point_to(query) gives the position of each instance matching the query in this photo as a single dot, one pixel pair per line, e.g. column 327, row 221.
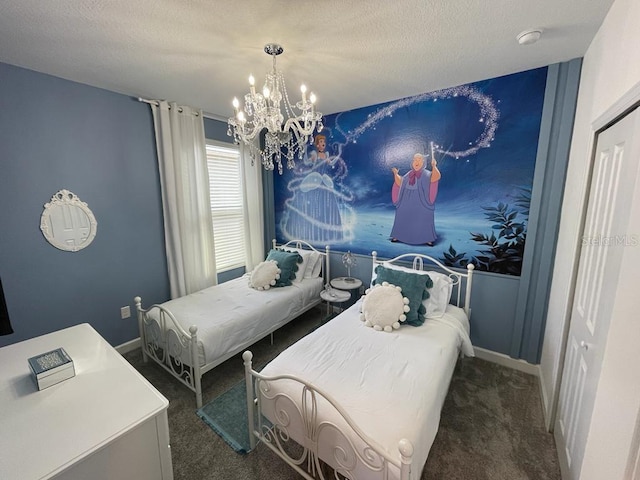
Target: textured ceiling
column 350, row 53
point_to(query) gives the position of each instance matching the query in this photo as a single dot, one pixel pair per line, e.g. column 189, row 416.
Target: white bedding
column 392, row 385
column 231, row 314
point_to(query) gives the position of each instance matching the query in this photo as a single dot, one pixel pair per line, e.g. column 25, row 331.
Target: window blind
column 227, row 212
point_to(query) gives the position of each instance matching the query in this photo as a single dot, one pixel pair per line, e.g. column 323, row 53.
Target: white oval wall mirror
column 67, row 223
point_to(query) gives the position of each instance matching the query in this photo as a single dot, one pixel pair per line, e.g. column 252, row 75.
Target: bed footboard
column 312, row 433
column 165, row 342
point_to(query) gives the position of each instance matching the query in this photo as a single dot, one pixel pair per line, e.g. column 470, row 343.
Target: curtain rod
column 157, row 104
column 212, row 116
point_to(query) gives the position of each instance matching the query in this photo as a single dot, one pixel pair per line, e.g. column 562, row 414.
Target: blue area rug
column 227, row 416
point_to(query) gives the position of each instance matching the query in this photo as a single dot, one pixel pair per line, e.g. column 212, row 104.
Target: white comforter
column 392, row 385
column 231, row 315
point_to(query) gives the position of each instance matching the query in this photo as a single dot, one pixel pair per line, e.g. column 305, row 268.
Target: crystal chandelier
column 287, row 131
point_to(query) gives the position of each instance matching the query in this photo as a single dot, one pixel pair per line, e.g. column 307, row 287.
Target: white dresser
column 106, row 423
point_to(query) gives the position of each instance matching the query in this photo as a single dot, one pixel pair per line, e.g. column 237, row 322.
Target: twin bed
column 362, row 402
column 190, row 335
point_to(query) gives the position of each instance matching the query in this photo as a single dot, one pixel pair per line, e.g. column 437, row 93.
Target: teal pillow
column 288, row 265
column 414, row 287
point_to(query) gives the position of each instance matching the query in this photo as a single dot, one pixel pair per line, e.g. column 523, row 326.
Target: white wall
column 611, row 68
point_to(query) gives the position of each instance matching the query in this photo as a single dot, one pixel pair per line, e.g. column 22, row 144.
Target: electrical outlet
column 125, row 312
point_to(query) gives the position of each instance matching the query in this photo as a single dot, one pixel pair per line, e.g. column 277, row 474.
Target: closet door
column 604, row 238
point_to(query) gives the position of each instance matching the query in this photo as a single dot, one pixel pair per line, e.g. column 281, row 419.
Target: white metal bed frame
column 168, row 344
column 344, row 458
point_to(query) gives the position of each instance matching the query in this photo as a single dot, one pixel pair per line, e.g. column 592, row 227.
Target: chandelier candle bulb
column 303, row 89
column 252, row 85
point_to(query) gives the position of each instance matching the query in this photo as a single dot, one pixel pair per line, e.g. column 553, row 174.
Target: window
column 225, row 189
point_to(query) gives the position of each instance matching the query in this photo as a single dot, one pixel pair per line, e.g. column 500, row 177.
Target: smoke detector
column 529, row 36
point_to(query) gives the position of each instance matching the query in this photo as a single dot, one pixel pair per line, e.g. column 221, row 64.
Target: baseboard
column 128, row 346
column 506, row 361
column 546, row 405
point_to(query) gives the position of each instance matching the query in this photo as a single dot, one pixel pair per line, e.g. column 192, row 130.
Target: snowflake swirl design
column 489, row 116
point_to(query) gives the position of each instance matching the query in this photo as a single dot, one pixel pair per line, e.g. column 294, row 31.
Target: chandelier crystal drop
column 288, row 127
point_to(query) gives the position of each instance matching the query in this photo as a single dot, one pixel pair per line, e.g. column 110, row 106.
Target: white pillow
column 315, row 273
column 264, row 276
column 383, row 307
column 439, row 294
column 313, row 265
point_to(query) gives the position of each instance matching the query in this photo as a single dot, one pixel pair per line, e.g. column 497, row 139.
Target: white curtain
column 188, row 229
column 253, row 210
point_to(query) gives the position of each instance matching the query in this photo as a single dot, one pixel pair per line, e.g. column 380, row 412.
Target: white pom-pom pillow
column 265, row 275
column 384, row 308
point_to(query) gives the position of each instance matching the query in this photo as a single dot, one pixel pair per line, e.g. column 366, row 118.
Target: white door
column 603, row 240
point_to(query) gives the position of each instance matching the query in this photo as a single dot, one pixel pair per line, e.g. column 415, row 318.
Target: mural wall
column 447, row 173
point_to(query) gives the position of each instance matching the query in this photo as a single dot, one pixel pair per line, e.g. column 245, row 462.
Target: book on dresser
column 51, row 367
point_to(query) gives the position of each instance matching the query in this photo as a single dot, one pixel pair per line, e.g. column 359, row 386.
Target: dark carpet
column 491, row 428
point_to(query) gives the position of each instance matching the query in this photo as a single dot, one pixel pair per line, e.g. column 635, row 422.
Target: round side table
column 346, row 283
column 333, row 295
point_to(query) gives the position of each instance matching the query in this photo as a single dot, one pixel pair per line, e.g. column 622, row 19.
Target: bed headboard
column 324, row 271
column 461, row 295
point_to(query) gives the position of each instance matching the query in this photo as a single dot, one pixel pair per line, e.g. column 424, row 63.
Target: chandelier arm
column 246, row 132
column 295, row 125
column 254, row 133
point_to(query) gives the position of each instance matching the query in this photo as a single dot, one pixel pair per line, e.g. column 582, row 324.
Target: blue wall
column 58, row 134
column 492, row 322
column 100, row 145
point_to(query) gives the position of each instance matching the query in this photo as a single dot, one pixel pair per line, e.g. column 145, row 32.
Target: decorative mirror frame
column 66, row 199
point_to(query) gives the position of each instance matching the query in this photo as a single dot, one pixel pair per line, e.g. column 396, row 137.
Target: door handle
column 585, row 345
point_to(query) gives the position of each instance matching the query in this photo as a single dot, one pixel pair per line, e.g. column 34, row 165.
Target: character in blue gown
column 313, row 213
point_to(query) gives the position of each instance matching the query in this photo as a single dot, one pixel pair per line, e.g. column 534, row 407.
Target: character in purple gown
column 414, row 196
